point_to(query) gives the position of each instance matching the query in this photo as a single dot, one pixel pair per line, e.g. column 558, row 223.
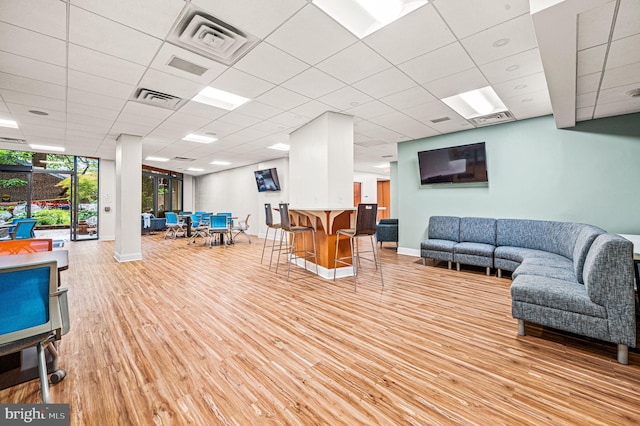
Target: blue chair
column 228, row 215
column 198, row 229
column 219, row 226
column 33, row 312
column 24, row 229
column 174, row 226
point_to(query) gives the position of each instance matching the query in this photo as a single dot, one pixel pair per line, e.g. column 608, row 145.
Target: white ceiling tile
column 385, row 83
column 594, row 25
column 103, row 65
column 33, row 101
column 370, row 110
column 202, row 110
column 621, row 76
column 624, row 51
column 445, row 61
column 241, row 83
column 485, row 46
column 257, row 17
column 529, row 105
column 18, row 110
column 311, row 36
column 258, row 110
column 168, row 52
column 143, row 111
column 30, row 68
column 32, row 44
column 134, row 129
column 464, row 81
column 520, row 86
column 588, row 83
column 101, row 34
column 586, row 100
column 354, row 63
column 405, row 125
column 413, row 96
column 414, row 34
column 102, row 86
column 513, row 67
column 436, row 110
column 91, row 112
column 282, row 98
column 94, row 99
column 270, row 63
column 34, row 87
column 312, row 109
column 235, row 117
column 170, row 84
column 617, row 108
column 375, row 131
column 583, row 114
column 45, row 131
column 618, row 94
column 154, row 17
column 313, row 83
column 591, row 60
column 345, row 98
column 470, row 17
column 627, row 19
column 44, row 16
column 290, row 119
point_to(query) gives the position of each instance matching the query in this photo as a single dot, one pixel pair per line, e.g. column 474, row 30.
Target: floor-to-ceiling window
column 161, row 191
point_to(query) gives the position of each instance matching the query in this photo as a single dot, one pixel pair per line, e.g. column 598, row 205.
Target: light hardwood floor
column 192, row 335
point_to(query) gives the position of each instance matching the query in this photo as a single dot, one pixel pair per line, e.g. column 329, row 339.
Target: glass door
column 84, row 199
column 15, row 192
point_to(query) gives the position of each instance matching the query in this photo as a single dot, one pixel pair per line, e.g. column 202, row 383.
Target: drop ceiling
column 84, row 62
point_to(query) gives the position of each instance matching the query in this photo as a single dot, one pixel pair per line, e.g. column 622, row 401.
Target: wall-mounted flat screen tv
column 456, row 164
column 267, row 180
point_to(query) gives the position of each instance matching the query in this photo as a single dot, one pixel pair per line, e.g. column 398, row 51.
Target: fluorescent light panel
column 47, row 148
column 220, row 99
column 156, row 159
column 363, row 17
column 220, row 163
column 200, row 139
column 382, row 166
column 280, row 147
column 8, row 123
column 476, row 103
column 194, row 169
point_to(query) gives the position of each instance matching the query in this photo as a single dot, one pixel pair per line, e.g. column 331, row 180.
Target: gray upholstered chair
column 387, row 231
column 444, row 234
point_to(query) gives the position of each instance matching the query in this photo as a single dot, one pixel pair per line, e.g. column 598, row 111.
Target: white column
column 128, row 244
column 321, row 163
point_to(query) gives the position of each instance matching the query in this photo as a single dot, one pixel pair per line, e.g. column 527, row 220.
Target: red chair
column 31, row 245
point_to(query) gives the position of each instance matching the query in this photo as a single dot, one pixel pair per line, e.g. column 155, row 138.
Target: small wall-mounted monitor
column 267, row 180
column 456, row 164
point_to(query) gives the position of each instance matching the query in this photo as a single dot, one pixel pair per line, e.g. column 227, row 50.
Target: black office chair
column 365, row 227
column 291, row 249
column 268, row 214
column 33, row 312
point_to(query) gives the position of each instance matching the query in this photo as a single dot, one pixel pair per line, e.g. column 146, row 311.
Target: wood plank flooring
column 198, row 336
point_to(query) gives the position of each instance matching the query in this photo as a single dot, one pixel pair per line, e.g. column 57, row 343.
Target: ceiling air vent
column 487, row 120
column 187, row 66
column 440, row 120
column 185, row 159
column 159, row 99
column 13, row 140
column 208, row 36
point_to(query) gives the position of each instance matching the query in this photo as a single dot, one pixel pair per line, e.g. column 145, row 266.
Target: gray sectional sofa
column 569, row 276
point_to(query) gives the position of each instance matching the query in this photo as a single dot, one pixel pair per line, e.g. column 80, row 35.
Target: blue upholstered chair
column 387, row 231
column 33, row 312
column 24, row 229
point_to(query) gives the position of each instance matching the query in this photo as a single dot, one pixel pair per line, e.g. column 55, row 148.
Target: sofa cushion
column 555, row 294
column 609, row 255
column 560, row 273
column 585, row 238
column 519, row 254
column 478, row 230
column 555, row 262
column 438, row 245
column 444, row 228
column 476, row 249
column 549, row 236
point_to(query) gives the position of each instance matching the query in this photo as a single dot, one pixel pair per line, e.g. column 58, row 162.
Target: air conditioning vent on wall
column 159, row 99
column 13, row 140
column 208, row 36
column 487, row 120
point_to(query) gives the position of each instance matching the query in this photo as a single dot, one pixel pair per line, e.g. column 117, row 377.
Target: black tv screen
column 267, row 180
column 456, row 164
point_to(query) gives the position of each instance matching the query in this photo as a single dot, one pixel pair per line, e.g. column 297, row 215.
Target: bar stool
column 291, row 249
column 268, row 215
column 365, row 227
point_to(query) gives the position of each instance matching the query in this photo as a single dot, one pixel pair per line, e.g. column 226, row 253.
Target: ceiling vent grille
column 184, row 159
column 487, row 120
column 440, row 120
column 159, row 99
column 208, row 36
column 187, row 66
column 13, row 140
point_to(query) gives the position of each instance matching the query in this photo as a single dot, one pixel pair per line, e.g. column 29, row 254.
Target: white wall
column 235, row 191
column 107, row 191
column 188, row 193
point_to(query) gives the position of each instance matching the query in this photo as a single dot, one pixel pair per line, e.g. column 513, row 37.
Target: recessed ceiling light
column 200, row 139
column 476, row 103
column 195, row 169
column 220, row 99
column 280, row 147
column 8, row 123
column 210, row 133
column 47, row 148
column 220, row 163
column 501, row 42
column 634, row 93
column 382, row 166
column 512, row 67
column 36, row 112
column 363, row 17
column 156, row 159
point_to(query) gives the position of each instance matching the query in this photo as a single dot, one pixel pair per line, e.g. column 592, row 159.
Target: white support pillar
column 128, row 244
column 321, row 163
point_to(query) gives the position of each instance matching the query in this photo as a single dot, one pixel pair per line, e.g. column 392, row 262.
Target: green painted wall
column 589, row 174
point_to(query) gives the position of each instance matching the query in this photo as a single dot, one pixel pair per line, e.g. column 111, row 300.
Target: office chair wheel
column 57, row 376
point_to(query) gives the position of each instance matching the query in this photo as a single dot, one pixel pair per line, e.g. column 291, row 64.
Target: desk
column 22, row 366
